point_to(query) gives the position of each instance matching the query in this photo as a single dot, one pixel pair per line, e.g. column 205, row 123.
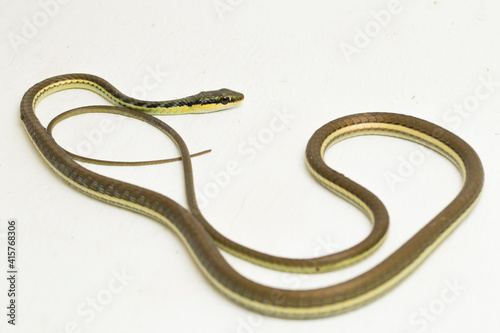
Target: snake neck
column 203, row 102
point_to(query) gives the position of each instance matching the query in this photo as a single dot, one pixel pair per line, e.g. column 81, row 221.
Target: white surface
column 286, row 56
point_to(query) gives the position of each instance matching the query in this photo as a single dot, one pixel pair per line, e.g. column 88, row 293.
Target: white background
column 311, row 60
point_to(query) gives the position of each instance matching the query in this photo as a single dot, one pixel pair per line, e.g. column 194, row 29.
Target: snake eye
column 224, row 100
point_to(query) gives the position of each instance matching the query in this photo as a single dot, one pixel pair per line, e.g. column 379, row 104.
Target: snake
column 205, row 243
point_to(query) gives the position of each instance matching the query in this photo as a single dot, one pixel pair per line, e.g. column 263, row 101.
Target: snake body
column 203, row 241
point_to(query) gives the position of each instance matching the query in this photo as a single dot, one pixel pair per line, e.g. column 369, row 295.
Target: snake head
column 216, row 100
